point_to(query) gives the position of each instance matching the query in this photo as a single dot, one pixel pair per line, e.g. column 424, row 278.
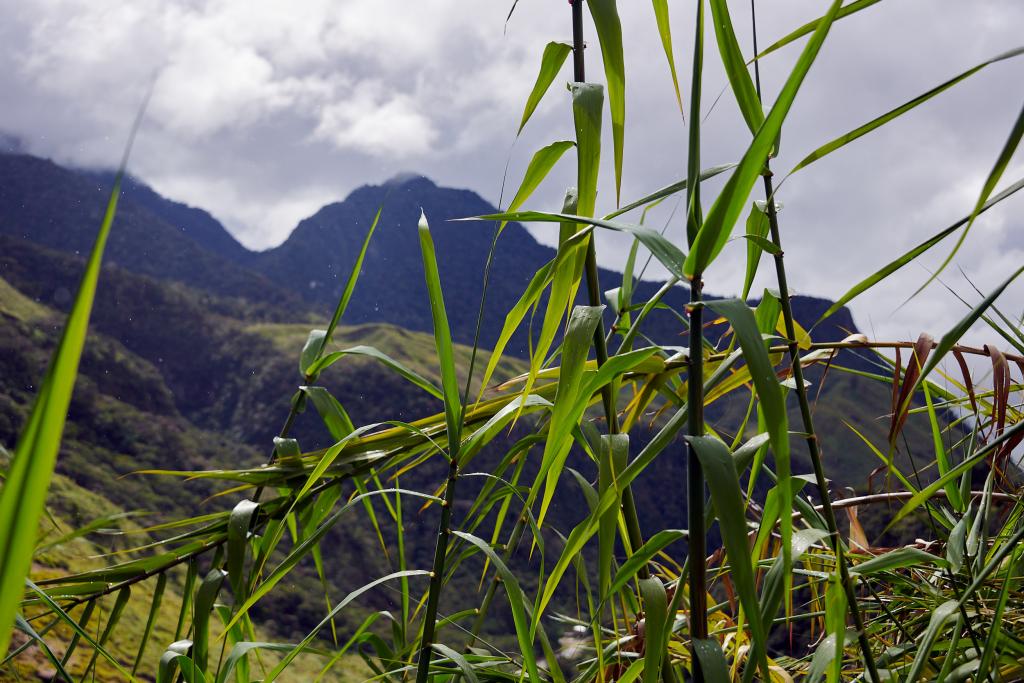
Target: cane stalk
column 811, row 439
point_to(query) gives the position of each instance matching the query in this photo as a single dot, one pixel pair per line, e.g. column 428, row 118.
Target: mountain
column 191, row 359
column 59, row 208
column 196, row 224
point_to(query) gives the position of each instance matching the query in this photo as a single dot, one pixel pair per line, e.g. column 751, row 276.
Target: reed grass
column 631, row 606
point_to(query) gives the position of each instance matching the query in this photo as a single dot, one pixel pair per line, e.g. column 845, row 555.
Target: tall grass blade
column 120, row 602
column 154, row 612
column 1005, row 155
column 24, row 492
column 940, row 616
column 550, row 64
column 736, row 67
column 722, row 216
column 892, row 114
column 613, row 452
column 655, row 626
column 517, row 601
column 665, row 31
column 713, row 666
column 890, row 268
column 720, row 473
column 453, row 411
column 812, row 26
column 587, row 102
column 609, row 33
column 205, row 598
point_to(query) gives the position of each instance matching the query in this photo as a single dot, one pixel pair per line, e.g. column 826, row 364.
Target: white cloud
column 265, row 110
column 369, row 119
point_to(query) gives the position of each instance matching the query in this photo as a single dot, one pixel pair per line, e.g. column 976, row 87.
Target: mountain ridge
column 313, row 263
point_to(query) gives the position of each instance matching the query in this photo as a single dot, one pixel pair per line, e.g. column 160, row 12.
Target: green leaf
column 712, row 660
column 334, row 416
column 641, row 556
column 757, row 230
column 670, row 190
column 186, row 599
column 565, row 284
column 305, row 547
column 287, row 448
column 311, row 351
column 720, row 472
column 724, row 212
column 587, row 99
column 238, row 546
column 459, row 660
column 812, row 26
column 957, row 543
column 773, row 589
column 26, row 628
column 1009, row 149
column 387, row 360
column 517, row 601
column 880, row 121
column 205, row 598
column 566, row 412
column 154, row 610
column 736, row 67
column 550, row 64
column 941, row 456
column 169, row 660
column 613, row 453
column 694, row 208
column 442, row 338
column 665, row 31
column 872, row 280
column 661, row 248
column 540, row 165
column 938, row 620
column 609, row 33
column 23, row 496
column 895, row 559
column 772, row 401
column 655, row 626
column 318, row 340
column 824, row 656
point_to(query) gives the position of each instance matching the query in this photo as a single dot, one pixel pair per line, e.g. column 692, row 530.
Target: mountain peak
column 11, row 144
column 405, row 178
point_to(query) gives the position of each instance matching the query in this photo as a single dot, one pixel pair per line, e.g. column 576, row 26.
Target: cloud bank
column 263, row 111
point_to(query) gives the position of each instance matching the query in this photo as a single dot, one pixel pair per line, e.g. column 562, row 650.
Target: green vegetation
column 435, row 511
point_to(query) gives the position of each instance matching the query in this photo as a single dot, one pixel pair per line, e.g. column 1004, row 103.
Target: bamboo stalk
column 632, row 520
column 813, row 447
column 696, row 489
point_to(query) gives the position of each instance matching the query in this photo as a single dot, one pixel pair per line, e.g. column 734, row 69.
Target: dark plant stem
column 437, row 573
column 695, row 499
column 813, row 447
column 629, row 513
column 695, row 475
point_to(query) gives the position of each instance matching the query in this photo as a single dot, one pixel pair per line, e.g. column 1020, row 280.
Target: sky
column 264, row 111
